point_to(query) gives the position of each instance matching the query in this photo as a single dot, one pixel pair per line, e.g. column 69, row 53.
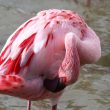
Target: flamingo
column 44, row 55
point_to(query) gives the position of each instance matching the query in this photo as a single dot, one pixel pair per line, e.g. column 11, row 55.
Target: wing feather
column 10, row 56
column 8, row 82
column 22, row 45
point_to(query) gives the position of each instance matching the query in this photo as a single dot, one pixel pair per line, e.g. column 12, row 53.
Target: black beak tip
column 54, row 85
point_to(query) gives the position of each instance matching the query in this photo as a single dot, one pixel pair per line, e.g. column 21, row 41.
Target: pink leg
column 29, row 105
column 54, row 107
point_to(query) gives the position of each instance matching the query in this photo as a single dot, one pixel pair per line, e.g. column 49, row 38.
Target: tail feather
column 8, row 82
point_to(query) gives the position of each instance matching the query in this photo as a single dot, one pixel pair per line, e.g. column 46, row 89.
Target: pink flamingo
column 44, row 55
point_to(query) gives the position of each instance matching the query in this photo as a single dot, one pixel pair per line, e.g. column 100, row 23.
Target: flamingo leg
column 29, row 105
column 54, row 107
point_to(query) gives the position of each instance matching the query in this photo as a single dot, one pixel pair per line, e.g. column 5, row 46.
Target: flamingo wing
column 18, row 52
column 21, row 47
column 11, row 56
column 9, row 82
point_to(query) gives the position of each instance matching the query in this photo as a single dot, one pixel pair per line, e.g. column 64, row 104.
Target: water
column 92, row 90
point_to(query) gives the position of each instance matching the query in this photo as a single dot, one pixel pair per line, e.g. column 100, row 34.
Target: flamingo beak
column 54, row 85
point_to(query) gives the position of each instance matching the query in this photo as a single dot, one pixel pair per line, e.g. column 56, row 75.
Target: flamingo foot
column 29, row 105
column 54, row 107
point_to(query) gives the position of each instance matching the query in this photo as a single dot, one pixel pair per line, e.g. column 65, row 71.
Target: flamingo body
column 38, row 48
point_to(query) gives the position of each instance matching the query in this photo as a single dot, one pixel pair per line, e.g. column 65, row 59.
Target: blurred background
column 92, row 90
